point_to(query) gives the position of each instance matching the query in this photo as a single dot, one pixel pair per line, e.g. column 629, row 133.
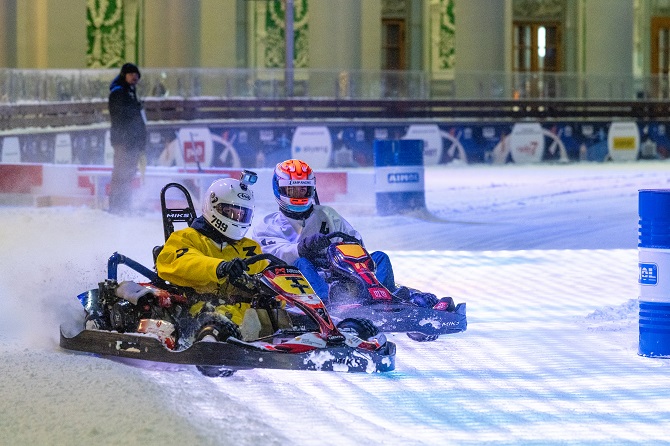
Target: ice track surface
column 544, row 256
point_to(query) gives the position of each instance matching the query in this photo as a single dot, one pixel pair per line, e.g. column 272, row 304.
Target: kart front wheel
column 421, row 337
column 219, row 332
column 363, row 328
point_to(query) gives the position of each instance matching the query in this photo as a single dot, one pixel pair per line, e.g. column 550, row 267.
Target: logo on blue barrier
column 409, row 177
column 648, row 274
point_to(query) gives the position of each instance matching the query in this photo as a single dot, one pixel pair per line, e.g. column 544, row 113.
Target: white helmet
column 229, row 207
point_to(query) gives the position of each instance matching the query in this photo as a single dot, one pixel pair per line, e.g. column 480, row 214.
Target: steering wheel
column 344, row 236
column 274, row 260
column 251, row 283
column 322, row 261
column 248, row 282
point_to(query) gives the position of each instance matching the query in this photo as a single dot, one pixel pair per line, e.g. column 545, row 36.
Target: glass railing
column 17, row 86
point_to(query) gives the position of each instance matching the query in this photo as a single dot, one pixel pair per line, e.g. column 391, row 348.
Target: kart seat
column 157, row 250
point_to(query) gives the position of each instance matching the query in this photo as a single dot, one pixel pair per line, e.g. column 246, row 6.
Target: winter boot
column 401, row 293
column 416, row 297
column 421, row 299
column 445, row 304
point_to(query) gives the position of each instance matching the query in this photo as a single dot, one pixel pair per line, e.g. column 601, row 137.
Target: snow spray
column 654, row 274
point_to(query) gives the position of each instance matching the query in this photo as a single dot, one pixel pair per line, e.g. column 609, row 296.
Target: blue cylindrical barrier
column 654, row 274
column 399, row 176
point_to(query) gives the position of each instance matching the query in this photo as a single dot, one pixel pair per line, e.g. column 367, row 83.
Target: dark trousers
column 125, row 168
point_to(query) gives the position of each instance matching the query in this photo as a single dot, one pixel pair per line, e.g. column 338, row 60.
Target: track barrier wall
column 88, row 185
column 342, row 144
column 58, row 162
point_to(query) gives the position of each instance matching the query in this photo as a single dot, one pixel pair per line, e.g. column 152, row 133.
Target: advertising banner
column 526, row 142
column 11, row 150
column 63, row 149
column 350, row 144
column 432, row 141
column 313, row 145
column 623, row 141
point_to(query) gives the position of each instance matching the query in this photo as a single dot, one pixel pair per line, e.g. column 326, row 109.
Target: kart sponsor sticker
column 379, row 293
column 648, row 274
column 403, row 177
column 293, row 284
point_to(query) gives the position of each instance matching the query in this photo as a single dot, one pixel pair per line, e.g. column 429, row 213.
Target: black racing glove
column 233, row 269
column 311, row 246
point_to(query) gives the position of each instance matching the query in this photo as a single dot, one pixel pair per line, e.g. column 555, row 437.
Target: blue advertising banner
column 350, row 144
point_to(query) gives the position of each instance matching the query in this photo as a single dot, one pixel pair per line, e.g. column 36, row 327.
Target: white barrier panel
column 312, row 144
column 526, row 142
column 11, row 150
column 57, row 184
column 623, row 141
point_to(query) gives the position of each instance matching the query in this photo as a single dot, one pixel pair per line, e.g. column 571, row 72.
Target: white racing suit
column 279, row 235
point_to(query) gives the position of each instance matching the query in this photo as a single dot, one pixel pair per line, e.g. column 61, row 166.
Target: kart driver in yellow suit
column 208, row 255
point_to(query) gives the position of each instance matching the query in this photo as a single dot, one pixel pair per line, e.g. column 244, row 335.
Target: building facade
column 545, row 46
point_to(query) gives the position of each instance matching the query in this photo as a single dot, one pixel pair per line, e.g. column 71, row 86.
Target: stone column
column 608, row 46
column 608, row 41
column 8, row 34
column 171, row 33
column 480, row 36
column 335, row 34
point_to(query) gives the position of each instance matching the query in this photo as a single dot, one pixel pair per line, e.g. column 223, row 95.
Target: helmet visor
column 297, row 191
column 235, row 212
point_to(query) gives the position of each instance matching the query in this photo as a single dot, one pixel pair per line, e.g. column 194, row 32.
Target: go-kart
column 286, row 327
column 355, row 292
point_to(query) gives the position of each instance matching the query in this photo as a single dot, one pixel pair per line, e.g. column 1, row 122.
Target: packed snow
column 545, row 257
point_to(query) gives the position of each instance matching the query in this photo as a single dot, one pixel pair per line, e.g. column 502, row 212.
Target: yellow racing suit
column 190, row 257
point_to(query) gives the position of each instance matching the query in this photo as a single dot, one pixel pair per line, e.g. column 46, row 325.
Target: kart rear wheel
column 363, row 328
column 219, row 332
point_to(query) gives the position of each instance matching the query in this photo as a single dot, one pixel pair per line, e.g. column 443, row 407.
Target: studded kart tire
column 219, row 332
column 420, row 337
column 212, row 371
column 363, row 328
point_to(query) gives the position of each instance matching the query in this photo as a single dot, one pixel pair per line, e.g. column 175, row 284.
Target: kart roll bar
column 187, row 214
column 170, row 216
column 119, row 259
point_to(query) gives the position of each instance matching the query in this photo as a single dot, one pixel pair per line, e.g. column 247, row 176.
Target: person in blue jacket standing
column 128, row 136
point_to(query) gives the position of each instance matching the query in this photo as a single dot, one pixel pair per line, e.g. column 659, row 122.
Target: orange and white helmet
column 229, row 208
column 294, row 185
